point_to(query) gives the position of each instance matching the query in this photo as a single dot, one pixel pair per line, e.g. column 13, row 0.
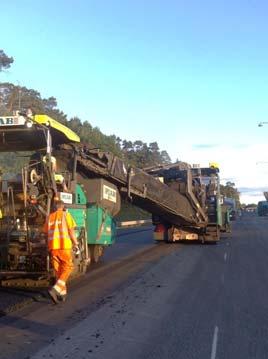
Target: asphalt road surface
column 128, row 241
column 161, row 301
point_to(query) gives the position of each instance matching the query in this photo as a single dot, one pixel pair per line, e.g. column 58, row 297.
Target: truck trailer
column 202, row 187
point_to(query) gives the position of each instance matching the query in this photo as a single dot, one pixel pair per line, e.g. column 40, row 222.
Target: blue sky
column 191, row 75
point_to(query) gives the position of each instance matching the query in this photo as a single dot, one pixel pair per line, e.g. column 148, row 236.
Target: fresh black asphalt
column 192, row 302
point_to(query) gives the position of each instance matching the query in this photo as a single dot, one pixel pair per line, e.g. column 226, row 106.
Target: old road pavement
column 167, row 301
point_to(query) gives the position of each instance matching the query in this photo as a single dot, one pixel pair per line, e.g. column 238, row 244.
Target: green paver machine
column 27, row 196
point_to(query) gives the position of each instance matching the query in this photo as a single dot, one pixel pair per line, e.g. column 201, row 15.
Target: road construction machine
column 201, row 186
column 55, row 165
column 27, row 198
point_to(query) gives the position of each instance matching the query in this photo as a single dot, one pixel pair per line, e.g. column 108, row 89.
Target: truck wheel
column 212, row 234
column 96, row 251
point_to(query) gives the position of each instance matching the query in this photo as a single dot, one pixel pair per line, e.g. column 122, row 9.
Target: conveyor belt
column 145, row 190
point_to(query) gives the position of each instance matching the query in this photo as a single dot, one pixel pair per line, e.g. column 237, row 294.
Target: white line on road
column 225, row 256
column 222, row 278
column 214, row 343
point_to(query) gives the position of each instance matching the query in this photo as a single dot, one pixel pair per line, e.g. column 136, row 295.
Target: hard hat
column 214, row 165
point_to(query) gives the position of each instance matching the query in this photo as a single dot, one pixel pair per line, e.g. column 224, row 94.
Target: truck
column 91, row 183
column 202, row 187
column 262, row 208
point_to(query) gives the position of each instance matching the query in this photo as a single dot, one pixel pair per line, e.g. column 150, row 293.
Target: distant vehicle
column 250, row 209
column 262, row 208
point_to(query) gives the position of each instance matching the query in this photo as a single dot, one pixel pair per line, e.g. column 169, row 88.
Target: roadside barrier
column 127, row 224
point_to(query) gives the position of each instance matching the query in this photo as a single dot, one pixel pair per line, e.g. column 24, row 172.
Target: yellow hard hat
column 214, row 165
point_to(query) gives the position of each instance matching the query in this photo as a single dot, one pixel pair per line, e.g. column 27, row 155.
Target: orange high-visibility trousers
column 62, row 263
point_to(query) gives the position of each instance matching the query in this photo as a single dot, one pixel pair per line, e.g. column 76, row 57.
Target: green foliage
column 137, row 153
column 5, row 61
column 14, row 98
column 13, row 162
column 141, row 155
column 230, row 191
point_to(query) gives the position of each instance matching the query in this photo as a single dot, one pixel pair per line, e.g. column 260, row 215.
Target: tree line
column 136, row 153
column 230, row 191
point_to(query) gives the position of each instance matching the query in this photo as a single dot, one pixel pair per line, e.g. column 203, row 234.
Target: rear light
column 33, row 199
column 160, row 228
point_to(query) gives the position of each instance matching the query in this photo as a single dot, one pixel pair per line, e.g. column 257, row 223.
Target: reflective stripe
column 53, row 234
column 59, row 290
column 59, row 281
column 58, row 232
column 60, row 287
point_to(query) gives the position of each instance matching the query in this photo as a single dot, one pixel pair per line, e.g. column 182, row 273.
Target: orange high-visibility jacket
column 57, row 228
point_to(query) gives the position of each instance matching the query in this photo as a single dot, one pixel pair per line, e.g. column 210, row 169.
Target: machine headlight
column 29, row 124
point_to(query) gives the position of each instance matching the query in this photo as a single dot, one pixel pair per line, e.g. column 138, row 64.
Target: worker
column 61, row 243
column 59, row 179
column 53, row 161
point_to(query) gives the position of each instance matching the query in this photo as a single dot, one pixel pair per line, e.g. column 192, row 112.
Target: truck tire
column 95, row 251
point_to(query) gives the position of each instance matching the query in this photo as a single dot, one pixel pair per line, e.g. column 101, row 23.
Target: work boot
column 62, row 298
column 53, row 295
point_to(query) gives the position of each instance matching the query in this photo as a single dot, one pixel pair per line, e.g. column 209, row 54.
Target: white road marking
column 222, row 278
column 214, row 343
column 225, row 256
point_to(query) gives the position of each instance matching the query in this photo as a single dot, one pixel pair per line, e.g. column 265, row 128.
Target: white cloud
column 245, row 165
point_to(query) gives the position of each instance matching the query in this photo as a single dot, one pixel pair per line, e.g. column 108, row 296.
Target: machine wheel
column 96, row 251
column 212, row 235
